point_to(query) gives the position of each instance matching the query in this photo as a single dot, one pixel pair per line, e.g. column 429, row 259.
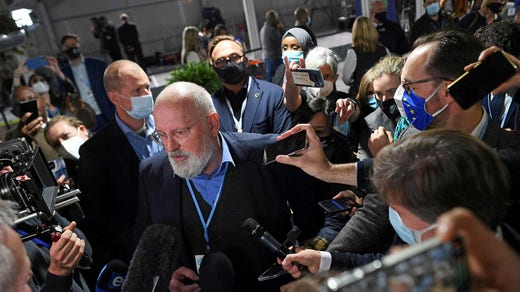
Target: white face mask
column 326, row 90
column 41, row 87
column 70, row 148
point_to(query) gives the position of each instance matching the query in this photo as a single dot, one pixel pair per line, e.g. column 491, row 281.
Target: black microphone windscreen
column 112, row 276
column 155, row 257
column 253, row 228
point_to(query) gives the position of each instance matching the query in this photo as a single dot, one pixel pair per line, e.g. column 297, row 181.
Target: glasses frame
column 180, row 135
column 222, row 61
column 406, row 84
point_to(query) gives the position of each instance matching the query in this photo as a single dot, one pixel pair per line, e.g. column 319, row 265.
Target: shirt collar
column 481, row 126
column 81, row 63
column 149, row 121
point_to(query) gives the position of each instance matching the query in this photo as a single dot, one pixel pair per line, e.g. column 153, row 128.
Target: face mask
column 372, row 101
column 70, row 147
column 398, row 99
column 433, row 9
column 293, row 56
column 41, row 87
column 142, row 106
column 327, row 89
column 495, row 7
column 73, row 53
column 408, row 235
column 381, row 16
column 232, row 73
column 389, row 108
column 325, row 141
column 415, row 108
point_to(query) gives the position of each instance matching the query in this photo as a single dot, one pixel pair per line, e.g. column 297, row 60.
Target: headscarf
column 303, row 37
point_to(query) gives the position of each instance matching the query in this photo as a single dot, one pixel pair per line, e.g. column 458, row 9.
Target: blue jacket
column 265, row 111
column 95, row 70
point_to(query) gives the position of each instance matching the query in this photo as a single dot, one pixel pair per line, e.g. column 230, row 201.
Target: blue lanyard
column 205, row 224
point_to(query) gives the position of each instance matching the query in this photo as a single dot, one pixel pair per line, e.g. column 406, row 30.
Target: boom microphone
column 154, row 260
column 259, row 233
column 112, row 276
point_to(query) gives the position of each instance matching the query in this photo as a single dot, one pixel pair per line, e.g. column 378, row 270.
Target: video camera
column 26, row 178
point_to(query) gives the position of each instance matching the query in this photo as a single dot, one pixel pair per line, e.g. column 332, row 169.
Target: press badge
column 198, row 261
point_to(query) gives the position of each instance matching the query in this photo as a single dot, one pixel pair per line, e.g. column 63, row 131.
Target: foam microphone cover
column 156, row 255
column 112, row 276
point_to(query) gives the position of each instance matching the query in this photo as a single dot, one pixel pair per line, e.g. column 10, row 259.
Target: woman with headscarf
column 296, row 42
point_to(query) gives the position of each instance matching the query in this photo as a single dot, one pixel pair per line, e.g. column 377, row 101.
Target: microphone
column 154, row 259
column 259, row 233
column 112, row 276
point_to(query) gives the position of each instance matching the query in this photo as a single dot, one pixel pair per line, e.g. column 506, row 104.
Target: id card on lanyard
column 238, row 122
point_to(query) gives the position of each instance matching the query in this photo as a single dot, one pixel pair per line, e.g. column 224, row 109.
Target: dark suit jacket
column 95, row 70
column 128, row 35
column 370, row 222
column 512, row 119
column 108, row 180
column 160, row 196
column 265, row 110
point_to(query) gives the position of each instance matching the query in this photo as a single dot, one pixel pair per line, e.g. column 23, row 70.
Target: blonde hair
column 364, row 35
column 364, row 88
column 190, row 42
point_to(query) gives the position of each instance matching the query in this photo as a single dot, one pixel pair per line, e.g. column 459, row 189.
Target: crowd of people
column 417, row 163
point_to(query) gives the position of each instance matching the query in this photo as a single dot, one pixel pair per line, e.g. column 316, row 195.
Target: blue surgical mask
column 415, row 109
column 372, row 101
column 142, row 106
column 408, row 235
column 433, row 9
column 293, row 56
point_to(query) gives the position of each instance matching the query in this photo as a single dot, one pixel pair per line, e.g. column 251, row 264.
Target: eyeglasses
column 221, row 62
column 407, row 84
column 180, row 134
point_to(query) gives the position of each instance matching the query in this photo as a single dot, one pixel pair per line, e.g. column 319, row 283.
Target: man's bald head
column 113, row 77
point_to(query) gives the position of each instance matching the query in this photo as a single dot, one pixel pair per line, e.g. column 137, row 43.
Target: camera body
column 27, row 179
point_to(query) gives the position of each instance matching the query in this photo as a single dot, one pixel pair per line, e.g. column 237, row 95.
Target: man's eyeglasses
column 407, row 84
column 221, row 62
column 180, row 134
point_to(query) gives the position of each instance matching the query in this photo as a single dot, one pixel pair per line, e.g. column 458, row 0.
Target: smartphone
column 340, row 130
column 36, row 62
column 487, row 75
column 288, row 146
column 338, row 205
column 429, row 266
column 308, row 77
column 29, row 106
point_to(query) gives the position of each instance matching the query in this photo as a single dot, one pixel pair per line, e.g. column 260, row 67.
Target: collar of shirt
column 143, row 146
column 82, row 63
column 209, row 185
column 479, row 130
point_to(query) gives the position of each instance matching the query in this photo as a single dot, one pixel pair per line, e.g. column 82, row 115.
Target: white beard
column 194, row 164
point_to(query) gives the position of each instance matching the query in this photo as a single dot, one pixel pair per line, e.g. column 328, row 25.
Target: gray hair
column 320, row 56
column 7, row 212
column 8, row 272
column 188, row 91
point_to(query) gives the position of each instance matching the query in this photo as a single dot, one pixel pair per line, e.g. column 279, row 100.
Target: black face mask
column 389, row 108
column 73, row 53
column 381, row 16
column 232, row 73
column 495, row 7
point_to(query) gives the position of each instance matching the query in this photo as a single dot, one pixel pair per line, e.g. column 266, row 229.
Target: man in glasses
column 244, row 103
column 109, row 162
column 206, row 184
column 436, row 60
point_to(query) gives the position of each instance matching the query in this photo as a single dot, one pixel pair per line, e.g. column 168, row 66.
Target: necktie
column 497, row 107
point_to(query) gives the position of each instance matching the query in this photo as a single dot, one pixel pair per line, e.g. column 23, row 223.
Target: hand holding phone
column 308, row 77
column 338, row 129
column 37, row 62
column 288, row 146
column 487, row 75
column 29, row 106
column 338, row 205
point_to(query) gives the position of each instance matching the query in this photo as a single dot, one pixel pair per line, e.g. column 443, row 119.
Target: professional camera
column 26, row 178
